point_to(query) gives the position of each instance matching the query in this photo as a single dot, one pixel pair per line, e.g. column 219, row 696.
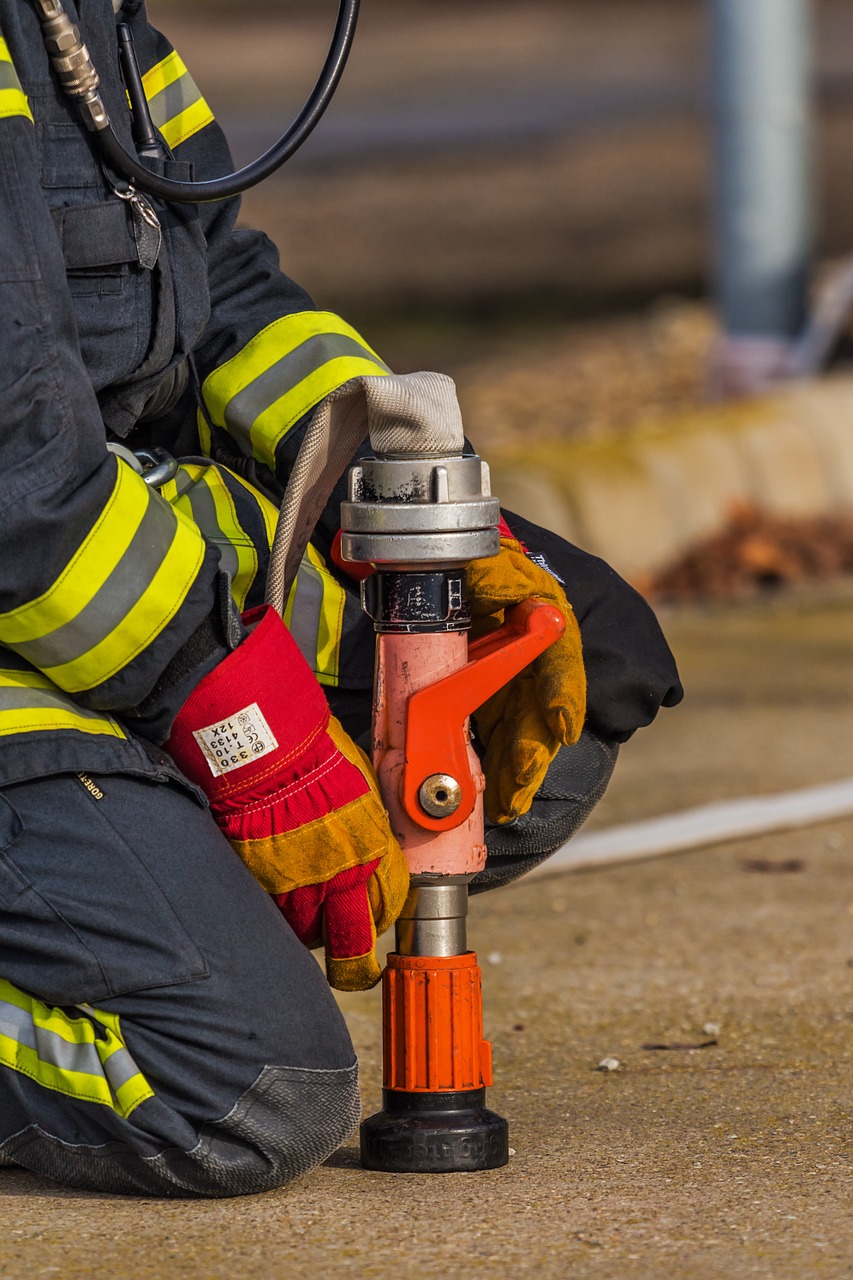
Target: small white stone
column 512, row 1151
column 609, row 1064
column 494, row 957
column 711, row 1029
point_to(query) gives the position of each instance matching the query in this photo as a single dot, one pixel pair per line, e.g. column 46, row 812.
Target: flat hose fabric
column 410, row 413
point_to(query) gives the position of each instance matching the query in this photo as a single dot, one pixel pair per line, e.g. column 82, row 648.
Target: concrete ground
column 726, row 1161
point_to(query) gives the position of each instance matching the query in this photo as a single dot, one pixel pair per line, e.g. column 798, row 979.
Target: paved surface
column 727, row 1161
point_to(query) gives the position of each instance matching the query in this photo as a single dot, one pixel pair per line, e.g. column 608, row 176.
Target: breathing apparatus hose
column 79, row 79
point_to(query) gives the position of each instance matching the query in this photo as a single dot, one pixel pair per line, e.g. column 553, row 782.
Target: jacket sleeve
column 102, row 581
column 268, row 356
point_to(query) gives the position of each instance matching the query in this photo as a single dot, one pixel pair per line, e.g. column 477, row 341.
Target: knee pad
column 288, row 1122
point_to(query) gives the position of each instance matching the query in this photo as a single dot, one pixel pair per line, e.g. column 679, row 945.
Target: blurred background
column 563, row 204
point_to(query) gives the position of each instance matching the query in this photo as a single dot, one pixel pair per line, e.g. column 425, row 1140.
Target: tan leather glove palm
column 524, row 724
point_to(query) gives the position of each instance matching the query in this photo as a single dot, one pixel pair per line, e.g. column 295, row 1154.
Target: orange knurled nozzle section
column 432, row 1024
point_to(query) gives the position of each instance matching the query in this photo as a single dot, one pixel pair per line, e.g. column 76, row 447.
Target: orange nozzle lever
column 436, row 739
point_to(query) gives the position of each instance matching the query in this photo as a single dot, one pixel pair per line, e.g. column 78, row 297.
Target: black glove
column 630, row 669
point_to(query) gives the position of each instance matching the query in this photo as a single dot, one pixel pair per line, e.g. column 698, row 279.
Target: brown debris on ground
column 756, row 552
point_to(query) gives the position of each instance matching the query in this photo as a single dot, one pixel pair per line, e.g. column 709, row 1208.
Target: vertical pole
column 763, row 221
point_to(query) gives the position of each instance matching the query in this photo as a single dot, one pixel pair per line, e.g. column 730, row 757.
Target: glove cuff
column 259, row 709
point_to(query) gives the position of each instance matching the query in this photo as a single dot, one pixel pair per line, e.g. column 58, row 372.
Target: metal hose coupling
column 72, row 63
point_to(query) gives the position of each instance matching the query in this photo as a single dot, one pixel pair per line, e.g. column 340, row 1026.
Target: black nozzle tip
column 434, row 1133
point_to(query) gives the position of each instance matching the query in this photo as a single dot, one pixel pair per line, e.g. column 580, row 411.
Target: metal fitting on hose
column 419, row 513
column 72, row 62
column 433, row 921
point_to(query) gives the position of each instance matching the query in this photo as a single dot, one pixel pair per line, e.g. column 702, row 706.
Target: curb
column 641, row 499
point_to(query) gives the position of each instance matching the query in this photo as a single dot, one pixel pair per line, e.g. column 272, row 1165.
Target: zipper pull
column 146, row 225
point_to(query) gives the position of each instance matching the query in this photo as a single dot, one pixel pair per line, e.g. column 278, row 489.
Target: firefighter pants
column 161, row 1029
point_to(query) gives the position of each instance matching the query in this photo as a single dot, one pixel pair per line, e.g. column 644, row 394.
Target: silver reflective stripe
column 8, row 76
column 304, row 621
column 23, row 697
column 204, row 515
column 17, row 1024
column 121, row 591
column 174, row 99
column 286, row 374
column 119, row 1068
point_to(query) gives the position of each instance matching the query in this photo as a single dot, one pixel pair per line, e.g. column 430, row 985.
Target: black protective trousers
column 134, row 942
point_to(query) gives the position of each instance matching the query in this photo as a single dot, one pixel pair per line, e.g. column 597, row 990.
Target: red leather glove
column 296, row 798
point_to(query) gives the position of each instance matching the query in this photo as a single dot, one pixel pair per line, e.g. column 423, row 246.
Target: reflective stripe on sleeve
column 314, row 615
column 29, row 702
column 117, row 593
column 177, row 107
column 202, row 494
column 13, row 100
column 283, row 373
column 69, row 1055
column 226, row 507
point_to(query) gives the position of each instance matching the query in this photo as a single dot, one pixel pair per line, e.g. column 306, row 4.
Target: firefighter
column 163, row 1028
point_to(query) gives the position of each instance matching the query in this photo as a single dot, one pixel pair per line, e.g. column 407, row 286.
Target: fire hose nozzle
column 419, row 521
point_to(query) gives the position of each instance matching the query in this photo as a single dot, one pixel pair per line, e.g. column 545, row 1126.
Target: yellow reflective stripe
column 13, row 100
column 270, row 517
column 283, row 373
column 169, row 492
column 74, row 1084
column 177, row 107
column 11, row 678
column 37, row 718
column 205, row 441
column 67, row 1055
column 270, row 427
column 151, row 614
column 182, row 126
column 331, row 622
column 119, row 590
column 129, row 1095
column 222, row 526
column 89, row 567
column 226, row 515
column 287, row 616
column 163, row 74
column 30, row 702
column 283, row 336
column 314, row 615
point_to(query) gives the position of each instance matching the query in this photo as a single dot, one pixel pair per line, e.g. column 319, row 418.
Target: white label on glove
column 239, row 740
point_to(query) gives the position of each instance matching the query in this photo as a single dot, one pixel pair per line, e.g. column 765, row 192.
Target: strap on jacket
column 95, row 236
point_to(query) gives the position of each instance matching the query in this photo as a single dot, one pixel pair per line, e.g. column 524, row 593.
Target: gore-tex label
column 236, row 741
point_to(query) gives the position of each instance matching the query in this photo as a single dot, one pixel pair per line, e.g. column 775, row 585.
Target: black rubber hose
column 232, row 184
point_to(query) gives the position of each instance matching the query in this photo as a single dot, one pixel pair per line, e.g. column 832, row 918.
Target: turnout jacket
column 104, row 578
column 107, row 583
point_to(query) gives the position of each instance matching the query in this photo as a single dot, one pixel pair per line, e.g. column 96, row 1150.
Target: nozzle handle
column 436, row 738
